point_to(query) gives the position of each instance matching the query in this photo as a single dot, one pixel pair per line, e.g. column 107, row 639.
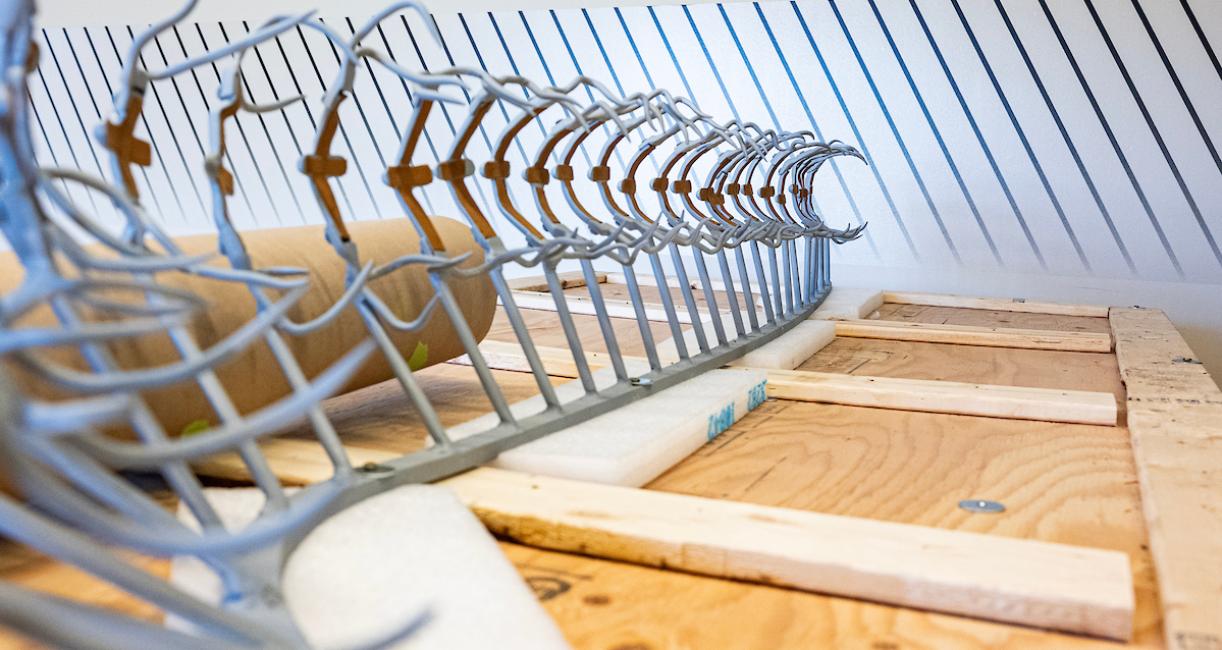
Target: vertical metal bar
column 522, row 332
column 604, row 319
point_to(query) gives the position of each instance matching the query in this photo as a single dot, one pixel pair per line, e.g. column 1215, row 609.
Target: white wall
column 1009, row 121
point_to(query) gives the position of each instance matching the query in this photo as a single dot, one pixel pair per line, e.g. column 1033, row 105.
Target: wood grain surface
column 1072, row 484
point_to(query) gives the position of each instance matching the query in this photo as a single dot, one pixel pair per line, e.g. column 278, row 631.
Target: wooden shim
column 568, row 280
column 995, row 304
column 1003, row 337
column 958, row 398
column 1027, row 582
column 1175, row 420
column 1013, row 402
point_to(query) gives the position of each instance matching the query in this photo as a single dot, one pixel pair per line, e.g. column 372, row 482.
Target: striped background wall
column 1063, row 137
column 1053, row 149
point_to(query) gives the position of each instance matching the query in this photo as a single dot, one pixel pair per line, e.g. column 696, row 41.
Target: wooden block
column 1013, row 402
column 968, row 335
column 1175, row 420
column 568, row 280
column 997, row 304
column 999, row 578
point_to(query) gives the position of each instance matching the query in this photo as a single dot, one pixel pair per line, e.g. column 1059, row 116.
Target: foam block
column 785, row 352
column 370, row 569
column 791, row 349
column 635, row 443
column 849, row 303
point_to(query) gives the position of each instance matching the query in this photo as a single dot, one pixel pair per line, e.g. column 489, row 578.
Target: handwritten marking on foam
column 724, row 419
column 721, row 420
column 757, row 394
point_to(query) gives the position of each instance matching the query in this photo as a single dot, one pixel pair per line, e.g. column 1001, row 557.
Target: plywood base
column 1062, row 483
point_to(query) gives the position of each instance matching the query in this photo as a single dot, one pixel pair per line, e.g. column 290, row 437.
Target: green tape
column 420, row 356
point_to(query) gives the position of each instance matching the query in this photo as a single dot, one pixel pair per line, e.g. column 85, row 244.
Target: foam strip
column 637, row 442
column 791, row 349
column 849, row 303
column 370, row 569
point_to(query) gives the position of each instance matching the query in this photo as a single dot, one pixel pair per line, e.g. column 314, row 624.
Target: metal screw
column 981, row 505
column 373, row 468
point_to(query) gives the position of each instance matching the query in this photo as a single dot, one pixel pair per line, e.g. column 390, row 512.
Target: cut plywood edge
column 635, row 443
column 1056, row 586
column 1013, row 402
column 646, row 280
column 972, row 335
column 568, row 280
column 1021, row 305
column 1175, row 420
column 294, row 461
column 375, row 567
column 616, row 308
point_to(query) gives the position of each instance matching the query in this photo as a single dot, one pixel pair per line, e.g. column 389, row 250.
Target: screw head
column 982, row 505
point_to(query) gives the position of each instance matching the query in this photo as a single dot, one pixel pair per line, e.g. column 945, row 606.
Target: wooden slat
column 996, row 304
column 930, row 396
column 967, row 335
column 1013, row 402
column 1018, row 581
column 1175, row 420
column 568, row 280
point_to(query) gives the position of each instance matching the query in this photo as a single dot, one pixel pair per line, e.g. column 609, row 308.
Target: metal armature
column 727, row 201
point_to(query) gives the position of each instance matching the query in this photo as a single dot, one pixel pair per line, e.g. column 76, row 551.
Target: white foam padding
column 371, row 568
column 633, row 444
column 849, row 303
column 791, row 349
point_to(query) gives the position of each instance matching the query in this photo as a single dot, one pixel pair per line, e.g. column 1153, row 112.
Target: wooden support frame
column 1032, row 583
column 957, row 398
column 1175, row 423
column 568, row 280
column 1030, row 339
column 1004, row 337
column 1020, row 305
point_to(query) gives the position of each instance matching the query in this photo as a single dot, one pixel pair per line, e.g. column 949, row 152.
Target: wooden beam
column 1057, row 586
column 930, row 396
column 1003, row 337
column 568, row 280
column 1175, row 420
column 996, row 304
column 987, row 400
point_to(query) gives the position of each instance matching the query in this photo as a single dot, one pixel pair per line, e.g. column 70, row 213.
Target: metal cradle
column 71, row 491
